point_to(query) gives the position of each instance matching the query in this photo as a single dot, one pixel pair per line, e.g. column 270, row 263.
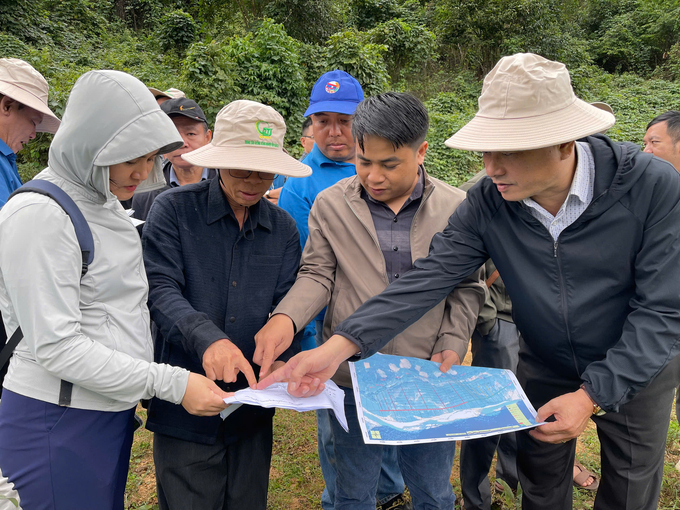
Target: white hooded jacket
column 93, row 332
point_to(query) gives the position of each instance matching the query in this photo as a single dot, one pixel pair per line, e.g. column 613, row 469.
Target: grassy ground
column 296, row 482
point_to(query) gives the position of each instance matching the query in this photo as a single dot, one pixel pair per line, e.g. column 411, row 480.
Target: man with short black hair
column 192, row 125
column 364, row 233
column 663, row 137
column 584, row 232
column 334, row 98
column 307, row 138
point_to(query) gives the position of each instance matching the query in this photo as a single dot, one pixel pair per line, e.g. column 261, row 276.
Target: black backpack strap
column 9, row 347
column 83, row 232
column 86, row 242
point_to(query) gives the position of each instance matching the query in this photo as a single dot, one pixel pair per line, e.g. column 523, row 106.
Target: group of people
column 254, row 267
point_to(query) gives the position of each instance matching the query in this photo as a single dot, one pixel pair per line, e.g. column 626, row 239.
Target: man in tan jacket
column 364, row 233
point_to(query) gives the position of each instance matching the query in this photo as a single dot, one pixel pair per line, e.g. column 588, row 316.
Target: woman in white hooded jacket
column 92, row 333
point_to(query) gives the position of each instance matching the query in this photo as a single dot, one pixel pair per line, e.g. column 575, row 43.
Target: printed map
column 402, row 400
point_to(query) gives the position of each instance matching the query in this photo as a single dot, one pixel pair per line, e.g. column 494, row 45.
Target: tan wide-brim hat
column 20, row 81
column 158, row 92
column 248, row 136
column 528, row 102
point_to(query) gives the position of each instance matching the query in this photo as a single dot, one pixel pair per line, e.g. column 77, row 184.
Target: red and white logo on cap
column 332, row 87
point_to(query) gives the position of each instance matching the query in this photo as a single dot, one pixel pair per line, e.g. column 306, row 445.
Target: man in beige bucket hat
column 219, row 258
column 583, row 231
column 23, row 112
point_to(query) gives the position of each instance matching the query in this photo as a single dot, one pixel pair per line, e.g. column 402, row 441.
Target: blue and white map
column 402, row 400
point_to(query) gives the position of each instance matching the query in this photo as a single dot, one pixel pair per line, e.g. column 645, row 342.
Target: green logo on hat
column 264, row 129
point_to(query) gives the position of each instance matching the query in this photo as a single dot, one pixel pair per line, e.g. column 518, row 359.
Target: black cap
column 183, row 106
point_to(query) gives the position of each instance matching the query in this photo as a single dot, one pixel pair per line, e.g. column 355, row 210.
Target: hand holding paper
column 276, row 395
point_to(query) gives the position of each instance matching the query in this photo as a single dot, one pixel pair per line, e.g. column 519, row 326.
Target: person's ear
column 566, row 149
column 420, row 153
column 6, row 105
column 208, row 134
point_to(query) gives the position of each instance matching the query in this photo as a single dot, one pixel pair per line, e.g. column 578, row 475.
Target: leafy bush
column 448, row 113
column 349, row 52
column 632, row 35
column 177, row 30
column 268, row 68
column 310, row 21
column 369, row 13
column 409, row 46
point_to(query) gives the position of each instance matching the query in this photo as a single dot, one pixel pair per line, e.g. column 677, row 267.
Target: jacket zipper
column 563, row 301
column 563, row 297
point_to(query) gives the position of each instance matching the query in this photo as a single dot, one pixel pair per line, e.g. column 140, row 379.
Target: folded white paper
column 276, row 395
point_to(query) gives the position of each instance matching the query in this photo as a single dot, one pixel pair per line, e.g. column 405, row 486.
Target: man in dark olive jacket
column 584, row 233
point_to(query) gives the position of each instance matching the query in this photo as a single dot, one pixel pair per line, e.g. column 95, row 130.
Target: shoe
column 396, row 503
column 583, row 475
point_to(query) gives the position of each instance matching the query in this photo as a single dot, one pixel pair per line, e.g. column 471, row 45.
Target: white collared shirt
column 579, row 197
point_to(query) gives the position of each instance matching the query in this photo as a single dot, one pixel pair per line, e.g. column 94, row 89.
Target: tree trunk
column 120, row 8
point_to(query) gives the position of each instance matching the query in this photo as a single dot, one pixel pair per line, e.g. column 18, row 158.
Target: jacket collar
column 218, row 208
column 354, row 187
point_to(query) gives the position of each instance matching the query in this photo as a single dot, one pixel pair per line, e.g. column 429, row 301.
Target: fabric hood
column 110, row 117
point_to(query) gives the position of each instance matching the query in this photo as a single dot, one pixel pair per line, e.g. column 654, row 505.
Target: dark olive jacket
column 600, row 305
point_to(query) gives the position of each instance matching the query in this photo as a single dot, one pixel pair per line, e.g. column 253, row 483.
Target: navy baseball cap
column 185, row 107
column 337, row 92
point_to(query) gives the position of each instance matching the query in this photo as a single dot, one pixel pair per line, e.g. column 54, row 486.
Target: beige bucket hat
column 20, row 81
column 248, row 136
column 528, row 102
column 171, row 93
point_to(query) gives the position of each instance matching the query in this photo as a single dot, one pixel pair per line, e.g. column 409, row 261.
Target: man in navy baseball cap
column 334, row 99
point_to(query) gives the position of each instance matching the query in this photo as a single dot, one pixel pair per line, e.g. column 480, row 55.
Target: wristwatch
column 597, row 410
column 266, row 193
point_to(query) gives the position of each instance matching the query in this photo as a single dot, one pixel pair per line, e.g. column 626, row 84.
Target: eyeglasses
column 244, row 174
column 308, row 136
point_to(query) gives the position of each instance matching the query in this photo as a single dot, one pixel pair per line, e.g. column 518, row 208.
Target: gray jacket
column 93, row 332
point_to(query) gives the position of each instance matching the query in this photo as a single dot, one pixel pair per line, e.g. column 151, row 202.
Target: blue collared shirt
column 298, row 194
column 9, row 174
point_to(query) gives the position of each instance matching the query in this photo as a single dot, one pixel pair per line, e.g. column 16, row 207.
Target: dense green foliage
column 624, row 52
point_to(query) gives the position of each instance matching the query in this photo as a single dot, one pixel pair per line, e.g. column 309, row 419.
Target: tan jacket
column 343, row 266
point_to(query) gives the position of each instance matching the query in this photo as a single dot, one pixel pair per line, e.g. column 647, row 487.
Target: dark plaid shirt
column 394, row 230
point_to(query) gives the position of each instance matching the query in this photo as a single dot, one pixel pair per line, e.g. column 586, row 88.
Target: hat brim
column 346, row 107
column 257, row 159
column 484, row 134
column 157, row 92
column 50, row 122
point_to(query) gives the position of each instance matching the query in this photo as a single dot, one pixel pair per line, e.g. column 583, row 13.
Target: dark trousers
column 632, row 443
column 62, row 458
column 193, row 476
column 497, row 349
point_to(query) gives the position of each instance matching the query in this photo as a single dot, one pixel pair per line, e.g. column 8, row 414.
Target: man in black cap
column 192, row 125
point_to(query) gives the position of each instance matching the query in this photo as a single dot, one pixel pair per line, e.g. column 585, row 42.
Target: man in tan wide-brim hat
column 23, row 112
column 584, row 232
column 219, row 258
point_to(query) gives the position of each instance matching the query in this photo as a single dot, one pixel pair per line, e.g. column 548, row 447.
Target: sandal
column 583, row 476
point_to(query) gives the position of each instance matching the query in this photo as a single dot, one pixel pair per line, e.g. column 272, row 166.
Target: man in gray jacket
column 364, row 233
column 583, row 231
